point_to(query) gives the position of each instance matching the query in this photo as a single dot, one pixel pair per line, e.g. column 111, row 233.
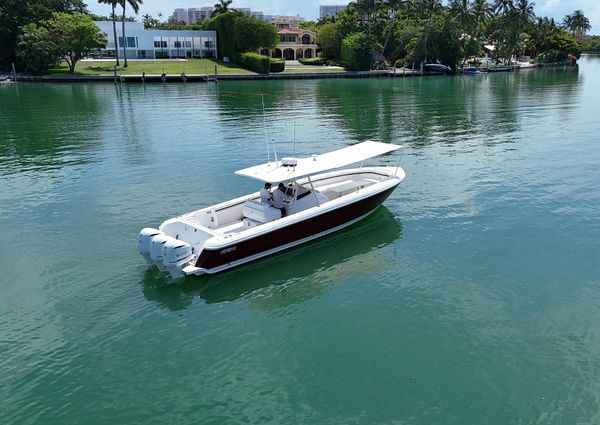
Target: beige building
column 294, row 43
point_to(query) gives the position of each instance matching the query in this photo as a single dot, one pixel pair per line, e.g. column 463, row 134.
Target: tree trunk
column 71, row 62
column 115, row 34
column 124, row 39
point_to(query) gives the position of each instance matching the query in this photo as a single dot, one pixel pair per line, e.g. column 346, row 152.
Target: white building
column 159, row 44
column 331, row 10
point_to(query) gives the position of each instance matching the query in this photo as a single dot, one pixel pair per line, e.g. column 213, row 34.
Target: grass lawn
column 171, row 67
column 154, row 67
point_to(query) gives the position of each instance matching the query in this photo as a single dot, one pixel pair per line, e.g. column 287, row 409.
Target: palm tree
column 525, row 12
column 463, row 13
column 367, row 8
column 221, row 7
column 482, row 12
column 426, row 8
column 393, row 6
column 135, row 5
column 577, row 23
column 504, row 6
column 113, row 4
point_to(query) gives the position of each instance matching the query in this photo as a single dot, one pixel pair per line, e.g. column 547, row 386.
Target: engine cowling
column 145, row 242
column 157, row 248
column 176, row 251
column 176, row 254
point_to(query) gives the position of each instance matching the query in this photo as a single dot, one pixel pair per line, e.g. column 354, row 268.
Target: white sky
column 309, row 9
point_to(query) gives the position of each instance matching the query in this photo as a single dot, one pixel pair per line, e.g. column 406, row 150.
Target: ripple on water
column 469, row 296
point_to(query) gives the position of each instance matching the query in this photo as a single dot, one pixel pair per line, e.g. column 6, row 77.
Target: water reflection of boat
column 315, row 201
column 292, row 276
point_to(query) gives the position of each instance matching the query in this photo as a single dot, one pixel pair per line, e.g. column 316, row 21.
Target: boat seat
column 260, row 212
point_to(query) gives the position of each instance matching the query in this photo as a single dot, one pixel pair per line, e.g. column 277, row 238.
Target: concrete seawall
column 211, row 78
column 203, row 78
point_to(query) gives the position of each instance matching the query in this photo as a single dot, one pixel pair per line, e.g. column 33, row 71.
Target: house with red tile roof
column 294, row 43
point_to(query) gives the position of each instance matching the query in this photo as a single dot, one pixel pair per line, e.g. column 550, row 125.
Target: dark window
column 130, row 42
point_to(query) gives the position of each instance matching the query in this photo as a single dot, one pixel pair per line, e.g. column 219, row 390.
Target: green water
column 472, row 297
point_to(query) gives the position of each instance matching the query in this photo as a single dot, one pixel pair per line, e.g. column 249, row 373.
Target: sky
column 309, row 9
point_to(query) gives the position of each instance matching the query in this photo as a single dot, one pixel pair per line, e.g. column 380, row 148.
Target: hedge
column 277, row 65
column 253, row 62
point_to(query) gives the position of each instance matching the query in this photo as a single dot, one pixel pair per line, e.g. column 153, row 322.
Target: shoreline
column 203, row 78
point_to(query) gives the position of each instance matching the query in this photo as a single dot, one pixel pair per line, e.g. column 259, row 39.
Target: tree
column 393, row 7
column 424, row 9
column 113, row 4
column 462, row 10
column 367, row 8
column 525, row 12
column 357, row 51
column 504, row 6
column 329, row 38
column 221, row 7
column 75, row 36
column 239, row 32
column 577, row 23
column 149, row 21
column 482, row 12
column 135, row 5
column 15, row 14
column 251, row 33
column 65, row 36
column 35, row 48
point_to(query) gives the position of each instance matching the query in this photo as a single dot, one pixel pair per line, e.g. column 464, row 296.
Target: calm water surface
column 472, row 297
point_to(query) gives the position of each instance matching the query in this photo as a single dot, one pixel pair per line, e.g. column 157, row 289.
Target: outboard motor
column 145, row 241
column 157, row 248
column 176, row 254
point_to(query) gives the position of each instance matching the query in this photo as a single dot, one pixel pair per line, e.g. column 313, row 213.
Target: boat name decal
column 228, row 250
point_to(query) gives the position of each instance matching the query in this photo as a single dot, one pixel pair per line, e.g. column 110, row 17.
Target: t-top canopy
column 277, row 172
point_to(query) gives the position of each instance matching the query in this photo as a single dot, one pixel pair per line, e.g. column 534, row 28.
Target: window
column 177, row 44
column 208, row 45
column 131, row 42
column 160, row 44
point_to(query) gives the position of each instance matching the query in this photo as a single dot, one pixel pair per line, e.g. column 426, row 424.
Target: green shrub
column 238, row 32
column 277, row 65
column 357, row 51
column 551, row 56
column 311, row 61
column 253, row 62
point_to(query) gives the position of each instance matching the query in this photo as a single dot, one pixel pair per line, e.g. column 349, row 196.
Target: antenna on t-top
column 262, row 97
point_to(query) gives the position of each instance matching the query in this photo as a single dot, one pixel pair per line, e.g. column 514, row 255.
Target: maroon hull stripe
column 210, row 259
